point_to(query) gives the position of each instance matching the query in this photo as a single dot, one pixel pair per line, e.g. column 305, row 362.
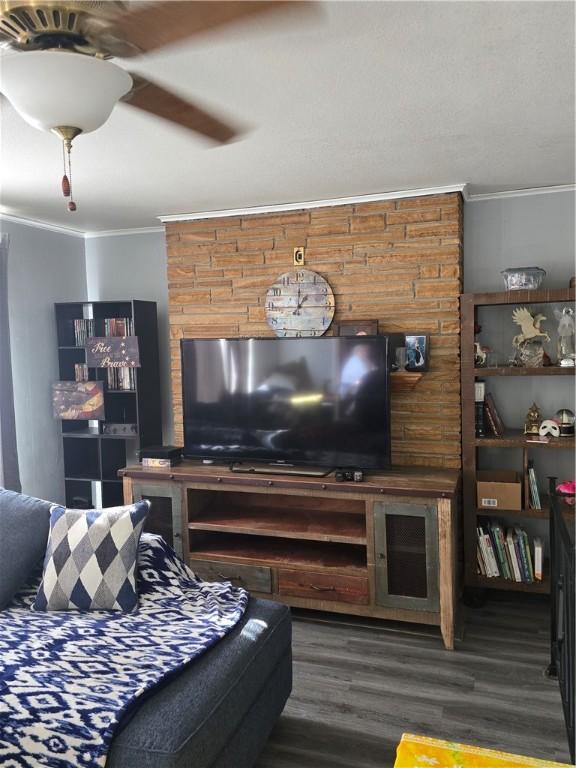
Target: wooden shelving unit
column 513, row 438
column 339, row 527
column 537, row 587
column 550, row 370
column 273, row 552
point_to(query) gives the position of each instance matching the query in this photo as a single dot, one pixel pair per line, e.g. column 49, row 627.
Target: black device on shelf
column 321, row 401
column 93, row 453
column 563, row 598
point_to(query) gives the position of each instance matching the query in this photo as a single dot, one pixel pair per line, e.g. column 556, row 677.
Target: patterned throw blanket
column 67, row 678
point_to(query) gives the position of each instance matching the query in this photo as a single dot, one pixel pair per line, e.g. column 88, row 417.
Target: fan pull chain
column 67, row 178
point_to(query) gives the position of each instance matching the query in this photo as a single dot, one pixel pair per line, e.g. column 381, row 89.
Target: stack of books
column 479, row 393
column 491, row 416
column 81, row 372
column 534, row 496
column 83, row 329
column 120, row 379
column 118, row 326
column 487, row 420
column 507, row 554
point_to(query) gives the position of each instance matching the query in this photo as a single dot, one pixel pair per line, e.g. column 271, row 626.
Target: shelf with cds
column 95, row 449
column 506, row 537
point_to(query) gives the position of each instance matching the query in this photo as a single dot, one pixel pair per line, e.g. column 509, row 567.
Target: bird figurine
column 530, row 326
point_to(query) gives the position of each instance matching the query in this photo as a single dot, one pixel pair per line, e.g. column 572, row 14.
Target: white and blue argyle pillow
column 90, row 562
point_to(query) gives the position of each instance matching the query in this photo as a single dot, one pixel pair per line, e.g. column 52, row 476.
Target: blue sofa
column 218, row 711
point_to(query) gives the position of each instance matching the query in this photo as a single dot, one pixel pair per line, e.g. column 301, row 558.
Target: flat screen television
column 294, row 401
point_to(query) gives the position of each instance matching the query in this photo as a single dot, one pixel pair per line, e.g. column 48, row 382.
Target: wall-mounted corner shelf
column 404, row 381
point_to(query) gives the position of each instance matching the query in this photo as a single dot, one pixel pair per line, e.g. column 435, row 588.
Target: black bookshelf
column 92, row 458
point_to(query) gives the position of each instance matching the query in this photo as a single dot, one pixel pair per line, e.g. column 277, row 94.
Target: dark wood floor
column 358, row 688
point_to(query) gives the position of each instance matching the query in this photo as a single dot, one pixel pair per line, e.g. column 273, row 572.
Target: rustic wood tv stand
column 384, row 548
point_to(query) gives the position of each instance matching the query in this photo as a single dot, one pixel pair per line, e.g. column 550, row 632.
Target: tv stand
column 384, row 548
column 280, row 469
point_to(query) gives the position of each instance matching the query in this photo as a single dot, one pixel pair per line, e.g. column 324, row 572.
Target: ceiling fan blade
column 153, row 25
column 156, row 100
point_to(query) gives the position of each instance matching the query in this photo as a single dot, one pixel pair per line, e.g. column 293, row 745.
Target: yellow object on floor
column 423, row 752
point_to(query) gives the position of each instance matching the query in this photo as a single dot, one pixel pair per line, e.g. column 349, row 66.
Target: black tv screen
column 301, row 401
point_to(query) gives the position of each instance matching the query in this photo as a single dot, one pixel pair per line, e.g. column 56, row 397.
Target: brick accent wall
column 399, row 261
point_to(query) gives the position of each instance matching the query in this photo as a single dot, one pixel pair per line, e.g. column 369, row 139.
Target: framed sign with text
column 112, row 352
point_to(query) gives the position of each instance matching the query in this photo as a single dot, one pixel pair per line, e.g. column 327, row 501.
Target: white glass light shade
column 59, row 88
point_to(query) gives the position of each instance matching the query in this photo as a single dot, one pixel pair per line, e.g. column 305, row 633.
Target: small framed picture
column 78, row 400
column 356, row 328
column 417, row 352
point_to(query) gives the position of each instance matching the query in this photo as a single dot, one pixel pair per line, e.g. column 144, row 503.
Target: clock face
column 300, row 303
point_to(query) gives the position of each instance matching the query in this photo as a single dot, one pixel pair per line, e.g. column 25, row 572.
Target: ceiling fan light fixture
column 60, row 88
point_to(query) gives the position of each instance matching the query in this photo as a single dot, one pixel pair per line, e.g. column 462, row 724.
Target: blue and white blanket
column 66, row 679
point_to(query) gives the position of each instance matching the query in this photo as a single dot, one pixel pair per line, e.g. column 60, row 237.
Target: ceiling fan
column 60, row 77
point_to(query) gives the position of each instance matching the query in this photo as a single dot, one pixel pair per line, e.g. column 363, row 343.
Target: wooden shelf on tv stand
column 317, row 543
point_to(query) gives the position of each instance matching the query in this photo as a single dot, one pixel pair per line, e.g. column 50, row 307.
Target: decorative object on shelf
column 549, row 427
column 299, row 303
column 112, row 352
column 523, row 278
column 119, row 429
column 568, row 489
column 480, row 352
column 565, row 420
column 480, row 355
column 356, row 328
column 160, row 456
column 532, row 421
column 416, row 353
column 78, row 400
column 566, row 331
column 529, row 343
column 400, row 358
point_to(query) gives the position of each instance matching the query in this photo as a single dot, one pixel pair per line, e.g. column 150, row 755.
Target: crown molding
column 42, row 225
column 471, row 198
column 331, row 202
column 123, row 232
column 284, row 207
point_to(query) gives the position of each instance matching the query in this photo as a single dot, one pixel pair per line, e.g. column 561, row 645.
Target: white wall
column 524, row 231
column 134, row 267
column 43, row 267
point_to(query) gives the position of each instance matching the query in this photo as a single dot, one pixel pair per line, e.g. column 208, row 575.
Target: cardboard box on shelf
column 498, row 489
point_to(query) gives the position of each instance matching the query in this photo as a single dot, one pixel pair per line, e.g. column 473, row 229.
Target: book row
column 116, row 378
column 121, row 378
column 85, row 328
column 508, row 554
column 487, row 419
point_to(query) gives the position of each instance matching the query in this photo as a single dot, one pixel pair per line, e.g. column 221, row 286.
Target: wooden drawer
column 256, row 578
column 323, row 586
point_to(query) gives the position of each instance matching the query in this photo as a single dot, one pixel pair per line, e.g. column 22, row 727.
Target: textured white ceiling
column 370, row 97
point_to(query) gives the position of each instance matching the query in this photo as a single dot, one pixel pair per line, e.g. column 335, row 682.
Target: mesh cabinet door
column 165, row 516
column 406, row 544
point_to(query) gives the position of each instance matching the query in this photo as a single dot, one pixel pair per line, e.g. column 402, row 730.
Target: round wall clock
column 300, row 303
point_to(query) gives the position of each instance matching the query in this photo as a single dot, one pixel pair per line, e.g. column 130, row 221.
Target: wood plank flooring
column 358, row 685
